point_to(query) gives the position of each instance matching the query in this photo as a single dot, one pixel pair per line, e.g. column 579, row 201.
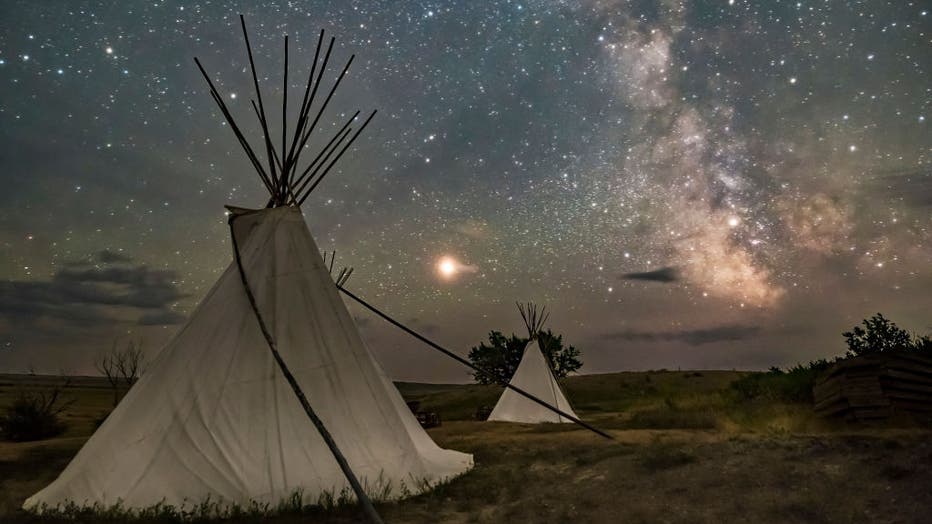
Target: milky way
column 685, row 184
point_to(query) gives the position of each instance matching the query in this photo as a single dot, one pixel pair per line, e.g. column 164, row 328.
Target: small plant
column 34, row 416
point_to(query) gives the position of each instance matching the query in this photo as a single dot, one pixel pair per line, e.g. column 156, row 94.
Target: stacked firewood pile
column 876, row 387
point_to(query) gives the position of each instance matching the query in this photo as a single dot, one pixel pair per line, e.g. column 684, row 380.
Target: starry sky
column 707, row 184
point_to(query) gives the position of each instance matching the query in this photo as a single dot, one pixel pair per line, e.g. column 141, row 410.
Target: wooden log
column 903, row 395
column 870, row 414
column 915, row 360
column 871, row 387
column 835, row 408
column 825, row 400
column 907, row 375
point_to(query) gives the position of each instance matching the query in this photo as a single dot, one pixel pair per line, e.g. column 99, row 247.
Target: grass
column 297, row 504
column 671, row 415
column 611, row 398
column 664, row 455
column 686, row 450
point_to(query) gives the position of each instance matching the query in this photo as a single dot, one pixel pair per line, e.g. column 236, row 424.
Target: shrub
column 34, row 416
column 793, row 385
column 880, row 335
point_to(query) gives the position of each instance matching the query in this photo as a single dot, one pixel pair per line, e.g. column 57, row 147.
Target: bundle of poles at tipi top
column 532, row 320
column 281, row 171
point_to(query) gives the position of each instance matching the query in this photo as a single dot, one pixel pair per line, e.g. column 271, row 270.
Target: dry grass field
column 686, row 451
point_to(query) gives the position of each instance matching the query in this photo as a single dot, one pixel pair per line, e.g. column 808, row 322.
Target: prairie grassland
column 686, row 450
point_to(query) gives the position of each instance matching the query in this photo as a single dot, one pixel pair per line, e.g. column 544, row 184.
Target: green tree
column 880, row 335
column 501, row 356
column 562, row 360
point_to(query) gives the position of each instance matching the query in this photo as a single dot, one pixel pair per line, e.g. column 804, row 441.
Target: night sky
column 709, row 184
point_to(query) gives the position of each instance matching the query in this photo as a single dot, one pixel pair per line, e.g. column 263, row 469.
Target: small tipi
column 534, row 376
column 268, row 389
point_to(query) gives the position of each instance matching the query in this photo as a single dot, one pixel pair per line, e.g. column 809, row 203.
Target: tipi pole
column 364, row 501
column 335, row 160
column 323, row 106
column 465, row 362
column 303, row 138
column 255, row 80
column 292, row 155
column 299, row 188
column 284, row 153
column 297, row 182
column 239, row 135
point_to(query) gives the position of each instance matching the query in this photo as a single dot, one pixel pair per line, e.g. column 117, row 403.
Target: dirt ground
column 563, row 473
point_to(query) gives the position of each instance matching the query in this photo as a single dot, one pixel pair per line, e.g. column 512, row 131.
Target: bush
column 33, row 416
column 793, row 385
column 880, row 335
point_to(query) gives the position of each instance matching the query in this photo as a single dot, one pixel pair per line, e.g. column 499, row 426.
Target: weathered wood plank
column 874, row 386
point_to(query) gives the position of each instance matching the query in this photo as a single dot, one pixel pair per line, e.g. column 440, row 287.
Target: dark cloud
column 92, row 295
column 431, row 329
column 161, row 318
column 104, row 256
column 136, row 286
column 665, row 274
column 112, row 257
column 423, row 326
column 693, row 337
column 26, row 302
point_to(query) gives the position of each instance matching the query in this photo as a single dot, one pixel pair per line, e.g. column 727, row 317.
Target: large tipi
column 533, row 376
column 268, row 390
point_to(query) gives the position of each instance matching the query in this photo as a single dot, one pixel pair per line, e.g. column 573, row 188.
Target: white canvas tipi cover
column 534, row 376
column 214, row 417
